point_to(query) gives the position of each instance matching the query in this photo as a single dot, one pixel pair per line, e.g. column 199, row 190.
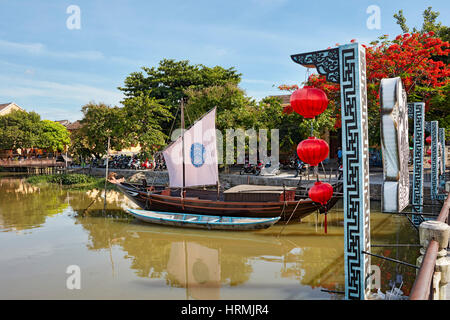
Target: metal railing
column 422, row 287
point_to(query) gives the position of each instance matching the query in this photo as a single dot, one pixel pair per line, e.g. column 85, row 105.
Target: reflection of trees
column 24, row 206
column 94, row 199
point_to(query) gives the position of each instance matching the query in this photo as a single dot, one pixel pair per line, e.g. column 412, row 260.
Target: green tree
column 230, row 101
column 19, row 129
column 143, row 120
column 167, row 83
column 99, row 122
column 53, row 136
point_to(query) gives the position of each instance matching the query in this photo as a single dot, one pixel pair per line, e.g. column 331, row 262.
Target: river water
column 45, row 231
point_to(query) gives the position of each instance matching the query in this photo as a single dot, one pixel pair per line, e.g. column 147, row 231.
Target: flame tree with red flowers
column 419, row 59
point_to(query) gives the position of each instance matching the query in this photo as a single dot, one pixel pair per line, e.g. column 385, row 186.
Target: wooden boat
column 203, row 221
column 209, row 202
column 187, row 180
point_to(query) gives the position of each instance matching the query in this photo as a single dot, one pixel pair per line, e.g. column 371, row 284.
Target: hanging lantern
column 429, row 152
column 321, row 192
column 313, row 151
column 309, row 102
column 429, row 161
column 428, row 139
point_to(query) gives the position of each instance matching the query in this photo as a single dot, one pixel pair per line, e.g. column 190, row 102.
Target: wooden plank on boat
column 255, row 193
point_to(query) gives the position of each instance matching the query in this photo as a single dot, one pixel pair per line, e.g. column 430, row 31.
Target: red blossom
column 409, row 57
column 288, row 109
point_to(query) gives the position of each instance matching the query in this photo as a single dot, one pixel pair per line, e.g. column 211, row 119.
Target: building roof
column 285, row 98
column 63, row 122
column 5, row 106
column 74, row 125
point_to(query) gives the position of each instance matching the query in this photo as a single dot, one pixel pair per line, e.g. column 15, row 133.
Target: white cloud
column 26, row 88
column 34, row 48
column 258, row 81
column 41, row 49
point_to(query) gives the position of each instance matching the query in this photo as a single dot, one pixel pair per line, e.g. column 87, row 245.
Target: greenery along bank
column 74, row 181
column 21, row 129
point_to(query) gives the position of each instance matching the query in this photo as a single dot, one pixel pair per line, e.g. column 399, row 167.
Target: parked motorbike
column 248, row 169
column 300, row 168
column 258, row 168
column 160, row 165
column 340, row 172
column 134, row 164
column 147, row 164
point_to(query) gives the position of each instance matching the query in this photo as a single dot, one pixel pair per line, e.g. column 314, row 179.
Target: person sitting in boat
column 114, row 178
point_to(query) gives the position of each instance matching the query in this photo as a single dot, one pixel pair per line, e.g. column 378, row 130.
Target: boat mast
column 182, row 142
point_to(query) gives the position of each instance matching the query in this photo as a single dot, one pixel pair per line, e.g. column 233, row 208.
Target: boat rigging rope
column 173, row 122
column 289, row 216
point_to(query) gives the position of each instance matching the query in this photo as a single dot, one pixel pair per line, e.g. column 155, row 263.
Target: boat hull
column 202, row 221
column 286, row 210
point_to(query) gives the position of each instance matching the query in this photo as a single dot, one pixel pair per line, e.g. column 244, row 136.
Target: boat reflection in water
column 196, row 268
column 122, row 258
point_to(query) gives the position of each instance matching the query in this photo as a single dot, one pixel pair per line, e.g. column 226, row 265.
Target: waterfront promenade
column 233, row 178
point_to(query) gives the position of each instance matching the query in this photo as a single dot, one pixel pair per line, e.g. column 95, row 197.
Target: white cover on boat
column 200, row 154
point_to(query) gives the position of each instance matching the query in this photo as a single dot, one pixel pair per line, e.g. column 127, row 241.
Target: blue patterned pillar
column 346, row 65
column 443, row 156
column 434, row 160
column 416, row 110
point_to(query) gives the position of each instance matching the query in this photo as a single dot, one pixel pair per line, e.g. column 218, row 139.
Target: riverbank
column 228, row 180
column 72, row 181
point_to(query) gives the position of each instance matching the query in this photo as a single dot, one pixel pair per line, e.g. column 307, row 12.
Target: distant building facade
column 6, row 108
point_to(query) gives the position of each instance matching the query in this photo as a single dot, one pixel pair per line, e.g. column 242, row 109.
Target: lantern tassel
column 325, row 223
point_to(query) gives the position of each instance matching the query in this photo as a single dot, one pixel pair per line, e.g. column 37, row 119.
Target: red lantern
column 321, row 192
column 313, row 151
column 429, row 152
column 428, row 139
column 429, row 161
column 309, row 102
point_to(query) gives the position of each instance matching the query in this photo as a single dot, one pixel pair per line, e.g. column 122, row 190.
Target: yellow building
column 8, row 107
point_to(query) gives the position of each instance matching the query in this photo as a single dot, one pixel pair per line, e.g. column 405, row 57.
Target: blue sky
column 48, row 68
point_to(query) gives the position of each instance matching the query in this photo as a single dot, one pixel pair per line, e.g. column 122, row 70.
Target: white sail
column 200, row 155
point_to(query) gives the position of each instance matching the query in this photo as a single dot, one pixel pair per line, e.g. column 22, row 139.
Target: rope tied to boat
column 298, row 202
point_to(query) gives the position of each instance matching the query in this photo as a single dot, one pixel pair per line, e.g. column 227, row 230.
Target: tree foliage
column 412, row 57
column 144, row 118
column 438, row 105
column 53, row 136
column 99, row 122
column 21, row 129
column 168, row 82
